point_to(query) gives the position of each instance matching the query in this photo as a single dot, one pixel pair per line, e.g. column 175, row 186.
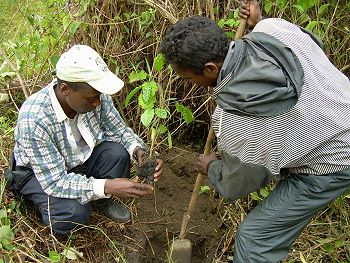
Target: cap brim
column 109, row 84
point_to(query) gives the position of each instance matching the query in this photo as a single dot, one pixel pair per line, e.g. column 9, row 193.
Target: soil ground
column 157, row 218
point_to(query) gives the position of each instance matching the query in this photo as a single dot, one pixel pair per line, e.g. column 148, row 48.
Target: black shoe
column 116, row 212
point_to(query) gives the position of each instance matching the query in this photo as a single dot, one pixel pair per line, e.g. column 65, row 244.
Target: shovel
column 181, row 248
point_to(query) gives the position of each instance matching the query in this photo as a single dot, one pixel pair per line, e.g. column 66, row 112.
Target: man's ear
column 64, row 89
column 211, row 69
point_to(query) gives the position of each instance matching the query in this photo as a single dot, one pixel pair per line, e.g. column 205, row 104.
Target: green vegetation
column 155, row 103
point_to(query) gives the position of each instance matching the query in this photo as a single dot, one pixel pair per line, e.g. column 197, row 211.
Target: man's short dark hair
column 194, row 41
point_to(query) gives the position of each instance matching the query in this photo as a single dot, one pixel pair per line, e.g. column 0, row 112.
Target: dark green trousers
column 269, row 231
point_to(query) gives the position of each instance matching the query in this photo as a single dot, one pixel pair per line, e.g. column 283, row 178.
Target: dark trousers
column 108, row 160
column 270, row 229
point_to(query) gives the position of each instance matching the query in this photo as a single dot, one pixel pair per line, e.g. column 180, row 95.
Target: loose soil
column 157, row 219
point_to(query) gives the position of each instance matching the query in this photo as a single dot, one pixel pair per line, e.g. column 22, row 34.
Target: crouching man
column 72, row 148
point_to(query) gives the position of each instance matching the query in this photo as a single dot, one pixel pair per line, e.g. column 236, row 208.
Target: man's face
column 206, row 79
column 82, row 100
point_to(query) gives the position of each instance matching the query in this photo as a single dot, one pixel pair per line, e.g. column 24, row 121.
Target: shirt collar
column 60, row 115
column 225, row 71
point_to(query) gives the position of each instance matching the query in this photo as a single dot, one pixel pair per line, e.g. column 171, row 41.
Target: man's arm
column 115, row 128
column 234, row 179
column 49, row 166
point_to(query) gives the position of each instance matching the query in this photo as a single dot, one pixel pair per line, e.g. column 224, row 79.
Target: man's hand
column 140, row 155
column 126, row 188
column 250, row 10
column 141, row 158
column 159, row 170
column 202, row 162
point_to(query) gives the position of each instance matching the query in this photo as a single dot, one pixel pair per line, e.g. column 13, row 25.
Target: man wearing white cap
column 72, row 147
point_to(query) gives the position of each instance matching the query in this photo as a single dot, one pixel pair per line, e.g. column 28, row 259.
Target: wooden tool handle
column 197, row 186
column 241, row 29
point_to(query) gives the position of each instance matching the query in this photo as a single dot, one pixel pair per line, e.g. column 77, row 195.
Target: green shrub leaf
column 185, row 112
column 130, row 95
column 267, row 7
column 162, row 129
column 54, row 256
column 147, row 117
column 161, row 113
column 73, row 27
column 159, row 62
column 137, row 76
column 3, row 213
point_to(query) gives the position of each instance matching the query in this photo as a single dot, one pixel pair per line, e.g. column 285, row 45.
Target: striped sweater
column 312, row 137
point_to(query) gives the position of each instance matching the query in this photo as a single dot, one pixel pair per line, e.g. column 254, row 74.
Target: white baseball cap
column 83, row 64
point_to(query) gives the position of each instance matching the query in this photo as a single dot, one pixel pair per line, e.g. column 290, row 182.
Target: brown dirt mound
column 157, row 218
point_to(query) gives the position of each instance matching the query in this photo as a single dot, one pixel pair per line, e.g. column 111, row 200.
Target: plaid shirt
column 43, row 142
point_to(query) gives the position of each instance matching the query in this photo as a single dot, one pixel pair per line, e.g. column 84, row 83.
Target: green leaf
column 8, row 74
column 339, row 243
column 159, row 62
column 329, row 248
column 221, row 23
column 307, row 4
column 255, row 196
column 72, row 253
column 12, row 205
column 147, row 117
column 54, row 59
column 204, row 189
column 230, row 34
column 161, row 113
column 162, row 129
column 264, row 192
column 9, row 246
column 149, row 90
column 54, row 256
column 137, row 76
column 3, row 213
column 5, row 231
column 282, row 3
column 146, row 93
column 170, row 141
column 185, row 112
column 66, row 21
column 73, row 27
column 145, row 105
column 323, row 8
column 304, row 18
column 267, row 7
column 230, row 22
column 299, row 8
column 130, row 95
column 311, row 25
